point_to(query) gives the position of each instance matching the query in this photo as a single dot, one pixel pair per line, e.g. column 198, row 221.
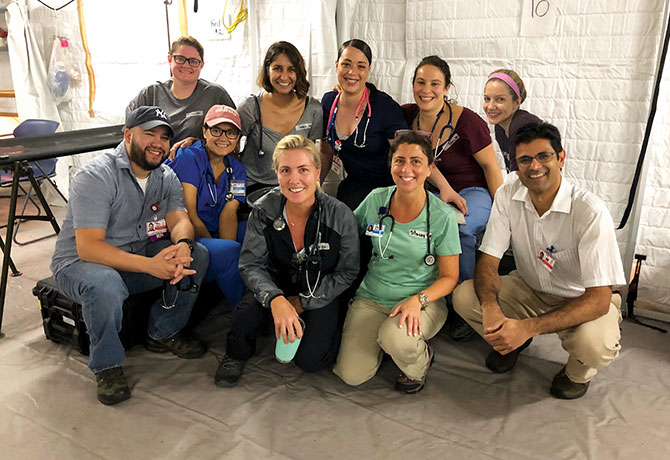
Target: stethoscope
column 314, row 254
column 337, row 144
column 384, row 212
column 447, row 143
column 213, row 191
column 260, row 123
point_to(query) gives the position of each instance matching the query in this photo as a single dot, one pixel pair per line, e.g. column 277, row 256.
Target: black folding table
column 15, row 155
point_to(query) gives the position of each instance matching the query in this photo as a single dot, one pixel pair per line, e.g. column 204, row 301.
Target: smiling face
column 429, row 88
column 352, row 70
column 409, row 167
column 185, row 73
column 220, row 146
column 541, row 179
column 499, row 104
column 282, row 74
column 297, row 176
column 147, row 149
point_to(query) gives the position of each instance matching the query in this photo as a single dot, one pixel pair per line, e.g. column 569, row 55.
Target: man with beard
column 127, row 231
column 567, row 261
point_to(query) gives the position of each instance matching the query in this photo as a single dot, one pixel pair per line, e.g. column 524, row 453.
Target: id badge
column 157, row 230
column 237, row 187
column 337, row 164
column 546, row 260
column 375, row 230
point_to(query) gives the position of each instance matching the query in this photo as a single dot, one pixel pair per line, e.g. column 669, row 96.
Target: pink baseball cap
column 222, row 114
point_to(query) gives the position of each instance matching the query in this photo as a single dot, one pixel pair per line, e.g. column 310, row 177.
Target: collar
column 562, row 201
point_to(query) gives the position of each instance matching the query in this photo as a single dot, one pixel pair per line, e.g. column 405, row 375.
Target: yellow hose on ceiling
column 89, row 67
column 183, row 18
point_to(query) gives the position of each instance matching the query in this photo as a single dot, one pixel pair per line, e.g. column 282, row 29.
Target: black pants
column 319, row 344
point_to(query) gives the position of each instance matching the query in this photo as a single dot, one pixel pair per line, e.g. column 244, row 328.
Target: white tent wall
column 592, row 76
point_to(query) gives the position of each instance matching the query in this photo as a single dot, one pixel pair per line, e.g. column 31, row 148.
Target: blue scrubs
column 193, row 167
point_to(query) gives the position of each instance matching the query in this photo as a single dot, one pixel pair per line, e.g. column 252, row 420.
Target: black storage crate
column 63, row 321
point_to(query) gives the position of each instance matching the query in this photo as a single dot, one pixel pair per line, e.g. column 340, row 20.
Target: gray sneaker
column 112, row 386
column 229, row 372
column 178, row 344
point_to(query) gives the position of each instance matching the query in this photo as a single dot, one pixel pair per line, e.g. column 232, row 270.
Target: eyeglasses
column 193, row 62
column 231, row 134
column 542, row 157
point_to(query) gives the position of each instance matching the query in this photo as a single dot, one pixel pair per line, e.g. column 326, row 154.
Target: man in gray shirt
column 127, row 231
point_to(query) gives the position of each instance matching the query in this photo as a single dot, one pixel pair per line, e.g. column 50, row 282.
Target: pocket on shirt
column 566, row 264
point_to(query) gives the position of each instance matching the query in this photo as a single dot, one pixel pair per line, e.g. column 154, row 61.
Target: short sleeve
column 498, row 230
column 475, row 130
column 447, row 241
column 186, row 166
column 91, row 199
column 175, row 193
column 394, row 116
column 316, row 112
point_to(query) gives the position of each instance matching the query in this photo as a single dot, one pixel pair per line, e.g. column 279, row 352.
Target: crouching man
column 127, row 231
column 567, row 261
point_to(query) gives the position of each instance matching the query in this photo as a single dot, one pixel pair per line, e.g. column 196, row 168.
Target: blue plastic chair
column 42, row 169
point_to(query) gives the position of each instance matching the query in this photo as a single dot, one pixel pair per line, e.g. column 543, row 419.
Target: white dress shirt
column 577, row 233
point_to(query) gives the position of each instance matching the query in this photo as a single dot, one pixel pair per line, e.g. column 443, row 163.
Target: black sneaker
column 504, row 363
column 229, row 372
column 564, row 388
column 411, row 386
column 458, row 329
column 112, row 386
column 178, row 344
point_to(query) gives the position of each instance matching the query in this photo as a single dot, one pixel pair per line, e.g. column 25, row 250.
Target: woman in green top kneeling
column 400, row 303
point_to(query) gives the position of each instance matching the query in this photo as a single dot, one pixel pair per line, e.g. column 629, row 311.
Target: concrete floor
column 48, row 407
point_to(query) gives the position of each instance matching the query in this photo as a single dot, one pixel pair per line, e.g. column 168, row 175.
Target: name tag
column 375, row 230
column 546, row 260
column 238, row 188
column 196, row 113
column 417, row 233
column 337, row 164
column 157, row 229
column 304, row 126
column 324, row 247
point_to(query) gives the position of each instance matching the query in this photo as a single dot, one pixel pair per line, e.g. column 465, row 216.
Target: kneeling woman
column 299, row 254
column 400, row 303
column 214, row 186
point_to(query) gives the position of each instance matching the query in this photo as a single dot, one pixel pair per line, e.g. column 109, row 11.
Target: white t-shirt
column 577, row 232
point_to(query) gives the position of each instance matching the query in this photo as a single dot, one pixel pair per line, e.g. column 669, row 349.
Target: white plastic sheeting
column 592, row 77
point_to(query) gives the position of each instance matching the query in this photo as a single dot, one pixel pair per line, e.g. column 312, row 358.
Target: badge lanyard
column 337, row 144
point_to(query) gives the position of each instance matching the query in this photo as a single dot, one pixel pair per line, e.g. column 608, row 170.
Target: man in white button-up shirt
column 567, row 262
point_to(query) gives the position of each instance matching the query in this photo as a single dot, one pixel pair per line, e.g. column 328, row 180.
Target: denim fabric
column 101, row 290
column 479, row 208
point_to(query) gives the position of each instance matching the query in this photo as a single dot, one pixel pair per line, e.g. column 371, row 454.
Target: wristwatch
column 188, row 241
column 423, row 298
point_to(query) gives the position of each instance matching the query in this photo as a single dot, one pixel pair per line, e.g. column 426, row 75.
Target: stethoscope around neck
column 212, row 186
column 385, row 212
column 314, row 253
column 330, row 127
column 439, row 151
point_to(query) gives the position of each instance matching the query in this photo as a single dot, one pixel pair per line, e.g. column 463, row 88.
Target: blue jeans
column 224, row 256
column 479, row 208
column 101, row 291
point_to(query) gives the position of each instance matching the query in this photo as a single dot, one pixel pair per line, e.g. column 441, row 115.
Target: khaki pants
column 368, row 332
column 591, row 345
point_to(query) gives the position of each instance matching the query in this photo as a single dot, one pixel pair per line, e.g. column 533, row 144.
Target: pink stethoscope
column 337, row 144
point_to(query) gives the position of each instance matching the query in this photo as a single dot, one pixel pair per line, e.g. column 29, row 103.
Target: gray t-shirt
column 259, row 166
column 186, row 115
column 105, row 194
